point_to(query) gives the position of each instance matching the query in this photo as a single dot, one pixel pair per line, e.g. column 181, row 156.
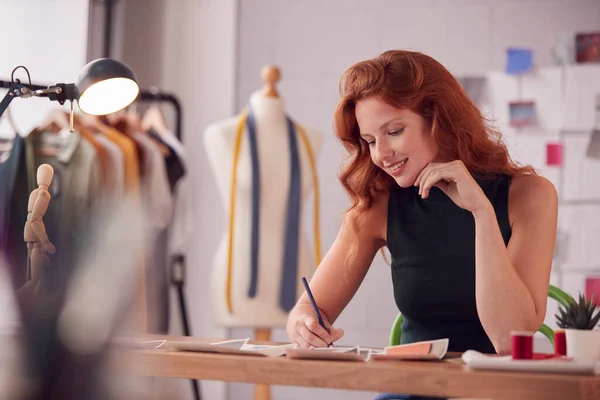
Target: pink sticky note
column 554, row 154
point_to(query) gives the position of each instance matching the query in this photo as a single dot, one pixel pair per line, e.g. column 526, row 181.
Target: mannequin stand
column 262, row 392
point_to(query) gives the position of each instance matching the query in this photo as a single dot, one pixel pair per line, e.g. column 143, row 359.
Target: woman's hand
column 456, row 181
column 304, row 329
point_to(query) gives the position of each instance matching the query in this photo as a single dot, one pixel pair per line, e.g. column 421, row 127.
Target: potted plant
column 579, row 319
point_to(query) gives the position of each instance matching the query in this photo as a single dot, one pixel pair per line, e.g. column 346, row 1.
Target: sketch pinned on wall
column 563, row 52
column 519, row 60
column 522, row 113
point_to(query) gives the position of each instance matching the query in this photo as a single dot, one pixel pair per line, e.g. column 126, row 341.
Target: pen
column 314, row 304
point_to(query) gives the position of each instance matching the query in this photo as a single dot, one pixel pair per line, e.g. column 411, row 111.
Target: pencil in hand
column 315, row 307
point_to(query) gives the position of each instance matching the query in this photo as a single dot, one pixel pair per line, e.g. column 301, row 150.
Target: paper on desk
column 237, row 346
column 476, row 360
column 336, row 353
column 135, row 343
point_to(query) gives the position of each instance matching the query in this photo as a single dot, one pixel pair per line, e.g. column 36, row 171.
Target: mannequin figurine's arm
column 39, row 209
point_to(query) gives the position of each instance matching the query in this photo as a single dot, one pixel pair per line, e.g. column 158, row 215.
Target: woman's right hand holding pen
column 304, row 329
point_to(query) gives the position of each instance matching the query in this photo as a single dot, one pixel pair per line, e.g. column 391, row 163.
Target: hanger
column 154, row 119
column 56, row 120
column 270, row 75
column 92, row 123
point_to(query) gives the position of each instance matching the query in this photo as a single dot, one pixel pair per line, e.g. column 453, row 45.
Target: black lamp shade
column 105, row 86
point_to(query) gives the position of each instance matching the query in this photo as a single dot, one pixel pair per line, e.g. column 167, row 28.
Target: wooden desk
column 445, row 379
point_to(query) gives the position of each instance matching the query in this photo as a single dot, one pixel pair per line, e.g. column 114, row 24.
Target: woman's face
column 399, row 140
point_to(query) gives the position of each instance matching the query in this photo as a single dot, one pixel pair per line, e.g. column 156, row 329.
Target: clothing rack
column 177, row 260
column 154, row 95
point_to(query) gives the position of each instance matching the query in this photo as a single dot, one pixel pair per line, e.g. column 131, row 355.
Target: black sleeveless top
column 432, row 244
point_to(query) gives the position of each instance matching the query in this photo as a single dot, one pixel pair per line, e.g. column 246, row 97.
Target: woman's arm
column 512, row 282
column 337, row 278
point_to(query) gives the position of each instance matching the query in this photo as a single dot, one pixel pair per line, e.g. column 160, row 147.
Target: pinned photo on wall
column 554, row 154
column 587, row 47
column 522, row 113
column 519, row 60
column 593, row 148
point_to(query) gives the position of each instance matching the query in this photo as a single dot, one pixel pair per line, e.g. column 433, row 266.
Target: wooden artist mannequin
column 263, row 311
column 38, row 243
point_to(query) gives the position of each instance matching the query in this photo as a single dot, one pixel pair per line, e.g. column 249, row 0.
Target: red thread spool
column 560, row 343
column 522, row 345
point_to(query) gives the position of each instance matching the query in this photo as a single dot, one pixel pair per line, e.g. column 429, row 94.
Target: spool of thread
column 560, row 343
column 522, row 345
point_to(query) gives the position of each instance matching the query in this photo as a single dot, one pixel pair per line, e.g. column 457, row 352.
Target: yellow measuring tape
column 236, row 159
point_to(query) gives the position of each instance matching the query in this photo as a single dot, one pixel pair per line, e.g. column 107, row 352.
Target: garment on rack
column 100, row 151
column 114, row 172
column 157, row 201
column 181, row 226
column 130, row 158
column 173, row 162
column 14, row 196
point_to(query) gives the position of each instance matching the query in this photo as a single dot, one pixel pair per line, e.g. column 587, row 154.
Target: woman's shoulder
column 527, row 186
column 530, row 192
column 372, row 222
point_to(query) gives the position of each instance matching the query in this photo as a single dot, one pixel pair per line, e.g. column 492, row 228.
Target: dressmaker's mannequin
column 263, row 309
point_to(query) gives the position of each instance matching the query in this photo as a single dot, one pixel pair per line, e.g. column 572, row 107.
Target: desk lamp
column 104, row 86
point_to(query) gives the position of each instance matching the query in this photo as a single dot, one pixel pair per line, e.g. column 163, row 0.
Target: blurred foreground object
column 68, row 324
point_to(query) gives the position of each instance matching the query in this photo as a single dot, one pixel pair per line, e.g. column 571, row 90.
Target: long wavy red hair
column 413, row 80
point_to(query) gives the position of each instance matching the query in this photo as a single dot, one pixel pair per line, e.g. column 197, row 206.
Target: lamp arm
column 60, row 92
column 10, row 95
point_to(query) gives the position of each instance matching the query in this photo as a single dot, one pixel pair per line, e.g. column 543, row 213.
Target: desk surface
column 437, row 378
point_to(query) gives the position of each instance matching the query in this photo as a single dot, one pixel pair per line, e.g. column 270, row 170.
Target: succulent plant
column 579, row 314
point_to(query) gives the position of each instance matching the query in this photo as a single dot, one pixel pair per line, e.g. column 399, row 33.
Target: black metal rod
column 108, row 27
column 8, row 97
column 178, row 279
column 7, row 85
column 183, row 308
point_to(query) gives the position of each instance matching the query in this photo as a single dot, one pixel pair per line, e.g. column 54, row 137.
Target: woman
column 471, row 233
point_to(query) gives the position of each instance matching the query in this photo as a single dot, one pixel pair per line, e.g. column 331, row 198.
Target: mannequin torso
column 273, row 152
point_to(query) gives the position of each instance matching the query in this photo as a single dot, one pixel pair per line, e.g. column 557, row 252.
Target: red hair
column 417, row 82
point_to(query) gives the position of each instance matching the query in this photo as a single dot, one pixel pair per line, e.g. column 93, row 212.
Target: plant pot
column 583, row 345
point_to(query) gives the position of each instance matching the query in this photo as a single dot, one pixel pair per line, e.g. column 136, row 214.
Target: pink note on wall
column 554, row 154
column 592, row 288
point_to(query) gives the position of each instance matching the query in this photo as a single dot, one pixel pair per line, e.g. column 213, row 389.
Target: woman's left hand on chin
column 456, row 181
